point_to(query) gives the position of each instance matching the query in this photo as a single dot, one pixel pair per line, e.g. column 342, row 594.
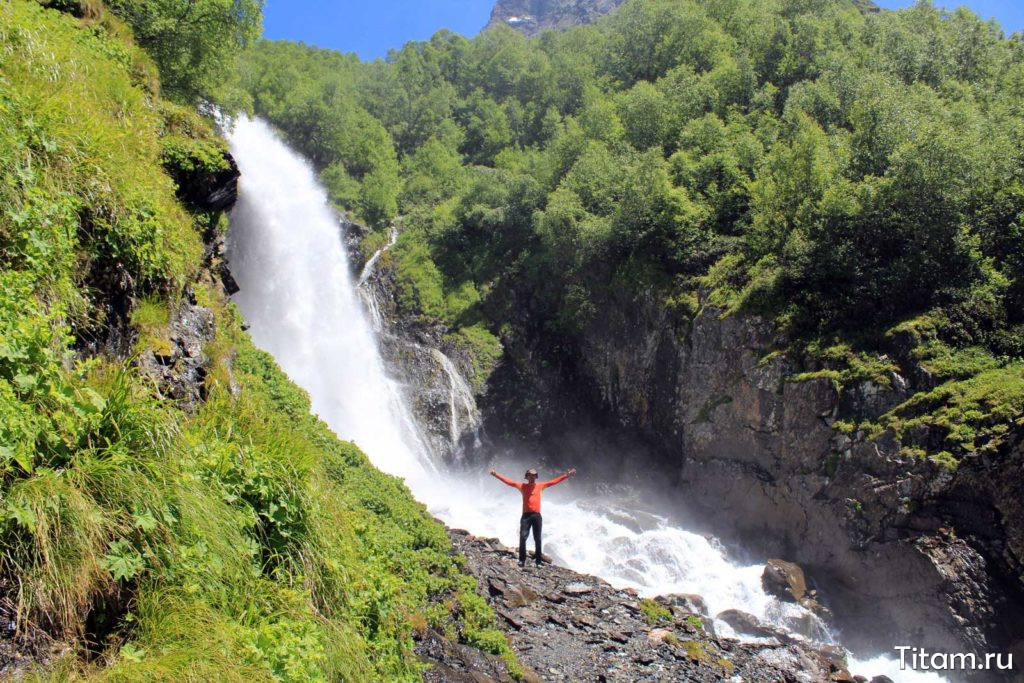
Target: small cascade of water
column 460, row 402
column 301, row 303
column 364, row 287
column 464, row 416
column 370, row 265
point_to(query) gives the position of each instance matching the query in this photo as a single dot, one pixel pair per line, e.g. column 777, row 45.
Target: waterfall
column 460, row 401
column 368, row 269
column 300, row 301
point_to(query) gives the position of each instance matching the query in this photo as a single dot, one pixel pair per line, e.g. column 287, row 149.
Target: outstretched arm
column 559, row 480
column 506, row 480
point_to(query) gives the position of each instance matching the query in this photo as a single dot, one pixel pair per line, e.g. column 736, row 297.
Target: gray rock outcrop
column 432, row 373
column 178, row 369
column 531, row 17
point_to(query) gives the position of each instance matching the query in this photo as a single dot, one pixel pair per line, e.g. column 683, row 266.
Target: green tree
column 194, row 42
column 644, row 112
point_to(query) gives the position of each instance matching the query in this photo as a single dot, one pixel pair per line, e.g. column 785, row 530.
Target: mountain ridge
column 534, row 16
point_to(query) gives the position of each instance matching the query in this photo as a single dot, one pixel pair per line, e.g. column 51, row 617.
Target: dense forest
column 849, row 175
column 209, row 528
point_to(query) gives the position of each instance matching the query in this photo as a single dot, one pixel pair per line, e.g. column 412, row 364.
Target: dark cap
column 531, row 471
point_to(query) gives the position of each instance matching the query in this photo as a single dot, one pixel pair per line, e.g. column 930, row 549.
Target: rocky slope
column 534, row 16
column 571, row 627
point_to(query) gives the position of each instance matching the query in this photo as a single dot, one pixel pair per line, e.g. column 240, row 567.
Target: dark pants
column 529, row 520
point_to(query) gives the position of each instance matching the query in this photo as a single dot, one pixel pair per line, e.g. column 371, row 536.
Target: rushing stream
column 302, row 306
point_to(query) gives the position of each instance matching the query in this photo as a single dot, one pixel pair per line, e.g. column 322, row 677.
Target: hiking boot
column 522, row 563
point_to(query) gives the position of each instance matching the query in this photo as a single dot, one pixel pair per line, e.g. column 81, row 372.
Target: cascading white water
column 297, row 295
column 460, row 403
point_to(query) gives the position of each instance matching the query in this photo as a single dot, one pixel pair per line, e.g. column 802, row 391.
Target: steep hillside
column 169, row 510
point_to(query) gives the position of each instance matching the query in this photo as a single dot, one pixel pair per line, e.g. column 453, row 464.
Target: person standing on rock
column 531, row 518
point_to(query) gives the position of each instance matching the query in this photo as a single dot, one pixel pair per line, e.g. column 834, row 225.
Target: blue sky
column 371, row 27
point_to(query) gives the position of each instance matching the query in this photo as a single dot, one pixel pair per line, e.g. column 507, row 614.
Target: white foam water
column 299, row 298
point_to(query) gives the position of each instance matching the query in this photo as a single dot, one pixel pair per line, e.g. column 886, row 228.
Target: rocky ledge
column 566, row 626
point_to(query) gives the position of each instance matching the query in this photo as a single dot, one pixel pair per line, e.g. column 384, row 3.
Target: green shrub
column 654, row 612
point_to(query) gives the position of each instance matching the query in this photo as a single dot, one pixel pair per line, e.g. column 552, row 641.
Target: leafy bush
column 195, row 43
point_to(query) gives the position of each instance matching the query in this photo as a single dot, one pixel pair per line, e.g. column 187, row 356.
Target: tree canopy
column 839, row 170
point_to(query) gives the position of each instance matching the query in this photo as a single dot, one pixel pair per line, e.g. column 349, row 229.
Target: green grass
column 968, row 415
column 420, row 287
column 82, row 144
column 484, row 350
column 243, row 542
column 845, row 365
column 151, row 318
column 655, row 613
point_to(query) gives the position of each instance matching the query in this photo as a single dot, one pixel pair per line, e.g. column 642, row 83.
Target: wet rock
column 784, row 580
column 762, row 446
column 833, row 654
column 595, row 632
column 176, row 363
column 437, row 375
column 208, row 190
column 687, row 603
column 745, row 623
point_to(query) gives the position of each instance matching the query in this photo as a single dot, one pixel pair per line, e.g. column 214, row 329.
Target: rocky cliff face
column 907, row 552
column 430, row 371
column 904, row 550
column 534, row 16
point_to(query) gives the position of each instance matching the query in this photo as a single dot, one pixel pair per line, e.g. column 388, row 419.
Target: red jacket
column 531, row 492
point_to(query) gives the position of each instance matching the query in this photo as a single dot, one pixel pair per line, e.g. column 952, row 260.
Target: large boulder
column 784, row 580
column 687, row 603
column 746, row 624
